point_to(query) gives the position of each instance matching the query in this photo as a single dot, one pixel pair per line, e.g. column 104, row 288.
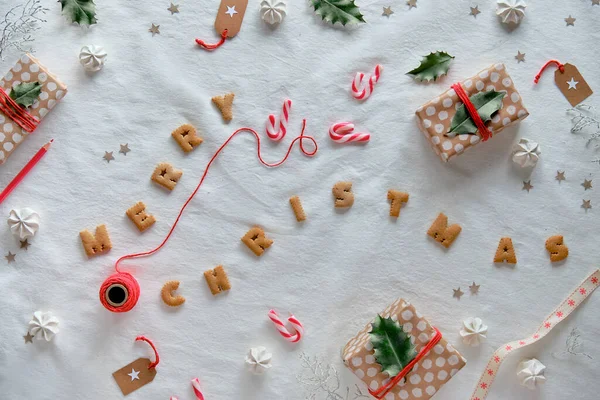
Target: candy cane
column 361, row 90
column 283, row 330
column 343, row 132
column 197, row 389
column 273, row 131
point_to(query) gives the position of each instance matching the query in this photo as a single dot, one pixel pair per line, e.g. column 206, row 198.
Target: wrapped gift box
column 435, row 117
column 426, row 377
column 27, row 69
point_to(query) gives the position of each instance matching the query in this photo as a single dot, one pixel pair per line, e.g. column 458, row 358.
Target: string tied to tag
column 211, row 47
column 560, row 66
column 145, row 339
column 18, row 114
column 472, row 111
column 385, row 389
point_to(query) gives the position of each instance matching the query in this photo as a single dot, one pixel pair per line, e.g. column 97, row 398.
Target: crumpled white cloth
column 336, row 270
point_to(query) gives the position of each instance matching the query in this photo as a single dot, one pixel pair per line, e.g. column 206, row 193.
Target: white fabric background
column 339, row 268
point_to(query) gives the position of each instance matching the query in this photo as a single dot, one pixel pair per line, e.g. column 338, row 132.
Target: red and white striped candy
column 343, row 132
column 297, row 325
column 361, row 90
column 197, row 389
column 277, row 127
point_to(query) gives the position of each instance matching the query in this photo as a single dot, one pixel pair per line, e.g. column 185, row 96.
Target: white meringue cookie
column 258, row 360
column 473, row 332
column 92, row 57
column 511, row 11
column 273, row 11
column 531, row 373
column 526, row 153
column 45, row 324
column 23, row 223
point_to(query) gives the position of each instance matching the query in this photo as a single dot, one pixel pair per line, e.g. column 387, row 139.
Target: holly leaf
column 342, row 11
column 24, row 94
column 393, row 348
column 486, row 103
column 82, row 12
column 432, row 66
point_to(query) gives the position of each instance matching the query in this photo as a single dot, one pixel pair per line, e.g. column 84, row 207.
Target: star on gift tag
column 411, row 4
column 457, row 293
column 231, row 11
column 25, row 244
column 587, row 184
column 108, row 156
column 230, row 16
column 571, row 84
column 560, row 176
column 134, row 375
column 475, row 11
column 474, row 288
column 570, row 21
column 124, row 149
column 174, row 8
column 520, row 57
column 154, row 30
column 587, row 204
column 28, row 338
column 387, row 11
column 527, row 186
column 10, row 257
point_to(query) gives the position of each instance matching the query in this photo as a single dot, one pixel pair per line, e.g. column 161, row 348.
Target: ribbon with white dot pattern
column 561, row 312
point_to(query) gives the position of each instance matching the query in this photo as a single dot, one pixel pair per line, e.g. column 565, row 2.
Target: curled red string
column 17, row 113
column 464, row 97
column 560, row 66
column 385, row 389
column 211, row 47
column 145, row 339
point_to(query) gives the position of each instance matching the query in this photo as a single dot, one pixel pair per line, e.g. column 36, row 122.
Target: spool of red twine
column 120, row 292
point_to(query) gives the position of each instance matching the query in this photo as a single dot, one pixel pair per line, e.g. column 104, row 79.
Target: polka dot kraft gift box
column 434, row 360
column 435, row 117
column 27, row 69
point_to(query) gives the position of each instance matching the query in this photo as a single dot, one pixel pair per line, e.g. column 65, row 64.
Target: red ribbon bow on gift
column 17, row 113
column 464, row 97
column 385, row 389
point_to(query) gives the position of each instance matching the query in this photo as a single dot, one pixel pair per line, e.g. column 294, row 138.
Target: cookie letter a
column 505, row 252
column 557, row 248
column 96, row 244
column 443, row 233
column 342, row 193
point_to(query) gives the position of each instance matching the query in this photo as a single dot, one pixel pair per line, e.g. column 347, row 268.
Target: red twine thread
column 145, row 339
column 211, row 47
column 385, row 389
column 128, row 280
column 17, row 113
column 560, row 66
column 464, row 97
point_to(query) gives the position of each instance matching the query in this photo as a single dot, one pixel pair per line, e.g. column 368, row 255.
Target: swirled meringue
column 45, row 324
column 531, row 373
column 526, row 153
column 473, row 332
column 273, row 11
column 23, row 223
column 511, row 11
column 258, row 360
column 92, row 57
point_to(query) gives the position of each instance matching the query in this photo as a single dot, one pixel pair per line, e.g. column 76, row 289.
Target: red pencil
column 21, row 175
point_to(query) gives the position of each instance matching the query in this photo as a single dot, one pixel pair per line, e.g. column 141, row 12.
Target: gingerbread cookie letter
column 443, row 233
column 298, row 209
column 396, row 198
column 217, row 280
column 256, row 240
column 557, row 248
column 96, row 244
column 505, row 252
column 342, row 193
column 167, row 176
column 140, row 218
column 167, row 294
column 225, row 104
column 187, row 138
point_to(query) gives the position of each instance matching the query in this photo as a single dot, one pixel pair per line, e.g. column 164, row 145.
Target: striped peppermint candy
column 362, row 89
column 297, row 325
column 197, row 389
column 277, row 128
column 343, row 132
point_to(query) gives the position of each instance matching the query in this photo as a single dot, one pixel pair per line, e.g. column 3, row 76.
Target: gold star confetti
column 587, row 184
column 125, row 149
column 10, row 257
column 154, row 30
column 25, row 244
column 520, row 57
column 28, row 338
column 411, row 4
column 387, row 11
column 570, row 21
column 474, row 288
column 527, row 186
column 587, row 204
column 457, row 293
column 108, row 156
column 560, row 176
column 475, row 11
column 174, row 8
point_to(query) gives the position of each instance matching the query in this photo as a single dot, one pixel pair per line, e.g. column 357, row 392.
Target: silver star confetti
column 475, row 11
column 570, row 21
column 560, row 176
column 520, row 57
column 10, row 257
column 174, row 8
column 124, row 149
column 387, row 11
column 25, row 244
column 154, row 30
column 457, row 293
column 28, row 338
column 108, row 156
column 527, row 186
column 587, row 184
column 587, row 204
column 474, row 288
